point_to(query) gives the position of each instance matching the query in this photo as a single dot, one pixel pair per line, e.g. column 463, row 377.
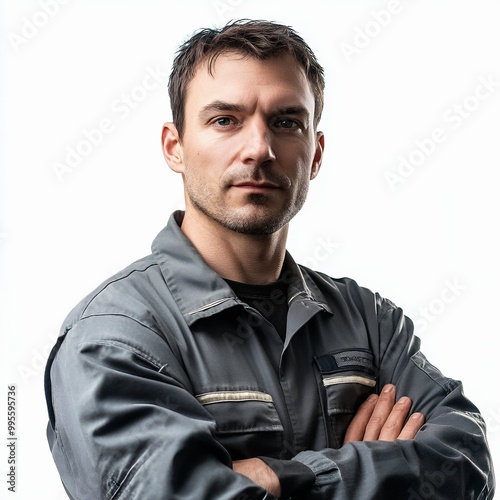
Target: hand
column 260, row 473
column 380, row 418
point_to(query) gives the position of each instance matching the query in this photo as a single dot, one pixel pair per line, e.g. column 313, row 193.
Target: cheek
column 299, row 167
column 208, row 150
column 296, row 155
column 202, row 168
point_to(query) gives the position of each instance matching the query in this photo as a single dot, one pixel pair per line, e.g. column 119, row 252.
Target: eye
column 223, row 121
column 287, row 123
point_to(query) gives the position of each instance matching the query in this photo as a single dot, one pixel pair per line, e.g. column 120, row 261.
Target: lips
column 257, row 185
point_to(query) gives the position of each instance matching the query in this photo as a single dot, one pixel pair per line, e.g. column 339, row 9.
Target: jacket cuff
column 295, row 478
column 325, row 470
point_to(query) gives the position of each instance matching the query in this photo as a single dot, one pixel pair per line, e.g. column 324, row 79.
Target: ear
column 172, row 148
column 318, row 155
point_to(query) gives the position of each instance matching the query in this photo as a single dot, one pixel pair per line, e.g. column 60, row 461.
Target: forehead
column 238, row 77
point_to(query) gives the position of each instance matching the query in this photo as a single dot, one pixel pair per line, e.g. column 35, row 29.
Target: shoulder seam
column 114, row 281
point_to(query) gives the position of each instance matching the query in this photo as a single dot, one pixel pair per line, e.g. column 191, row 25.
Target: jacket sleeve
column 449, row 457
column 123, row 423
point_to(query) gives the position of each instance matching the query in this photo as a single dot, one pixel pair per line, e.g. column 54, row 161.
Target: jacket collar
column 196, row 288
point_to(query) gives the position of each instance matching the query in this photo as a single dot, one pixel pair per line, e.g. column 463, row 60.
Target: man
column 217, row 368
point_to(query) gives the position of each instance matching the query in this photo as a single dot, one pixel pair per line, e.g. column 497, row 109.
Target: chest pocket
column 346, row 379
column 247, row 423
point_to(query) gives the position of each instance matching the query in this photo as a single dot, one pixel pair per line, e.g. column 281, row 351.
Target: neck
column 238, row 257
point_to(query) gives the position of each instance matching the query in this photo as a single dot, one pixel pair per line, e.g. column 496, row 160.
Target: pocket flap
column 241, row 411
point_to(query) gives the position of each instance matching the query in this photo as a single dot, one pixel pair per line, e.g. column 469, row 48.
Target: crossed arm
column 379, row 418
column 161, row 449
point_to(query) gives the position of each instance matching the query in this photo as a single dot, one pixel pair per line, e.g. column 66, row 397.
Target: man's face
column 249, row 147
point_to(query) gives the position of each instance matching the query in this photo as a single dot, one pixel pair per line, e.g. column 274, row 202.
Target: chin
column 256, row 224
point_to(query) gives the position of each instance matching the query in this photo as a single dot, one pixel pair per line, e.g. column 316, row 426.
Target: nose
column 256, row 148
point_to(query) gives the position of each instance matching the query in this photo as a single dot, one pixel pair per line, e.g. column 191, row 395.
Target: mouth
column 256, row 186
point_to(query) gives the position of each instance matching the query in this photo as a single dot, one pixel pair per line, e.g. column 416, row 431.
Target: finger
column 382, row 410
column 396, row 420
column 356, row 429
column 411, row 427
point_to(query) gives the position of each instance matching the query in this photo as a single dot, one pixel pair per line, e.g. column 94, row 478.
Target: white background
column 430, row 243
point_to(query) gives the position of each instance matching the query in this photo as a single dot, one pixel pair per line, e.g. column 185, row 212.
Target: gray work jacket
column 162, row 376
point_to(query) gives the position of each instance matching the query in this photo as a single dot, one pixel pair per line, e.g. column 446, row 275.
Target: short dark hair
column 259, row 39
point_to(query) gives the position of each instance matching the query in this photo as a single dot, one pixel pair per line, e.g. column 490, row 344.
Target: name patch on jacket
column 352, row 359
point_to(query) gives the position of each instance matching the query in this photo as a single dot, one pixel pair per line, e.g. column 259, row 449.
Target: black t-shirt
column 270, row 300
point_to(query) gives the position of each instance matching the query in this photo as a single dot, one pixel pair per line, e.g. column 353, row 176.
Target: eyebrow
column 221, row 106
column 227, row 106
column 291, row 110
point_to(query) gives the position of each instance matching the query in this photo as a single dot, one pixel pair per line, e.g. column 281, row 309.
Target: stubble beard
column 236, row 219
